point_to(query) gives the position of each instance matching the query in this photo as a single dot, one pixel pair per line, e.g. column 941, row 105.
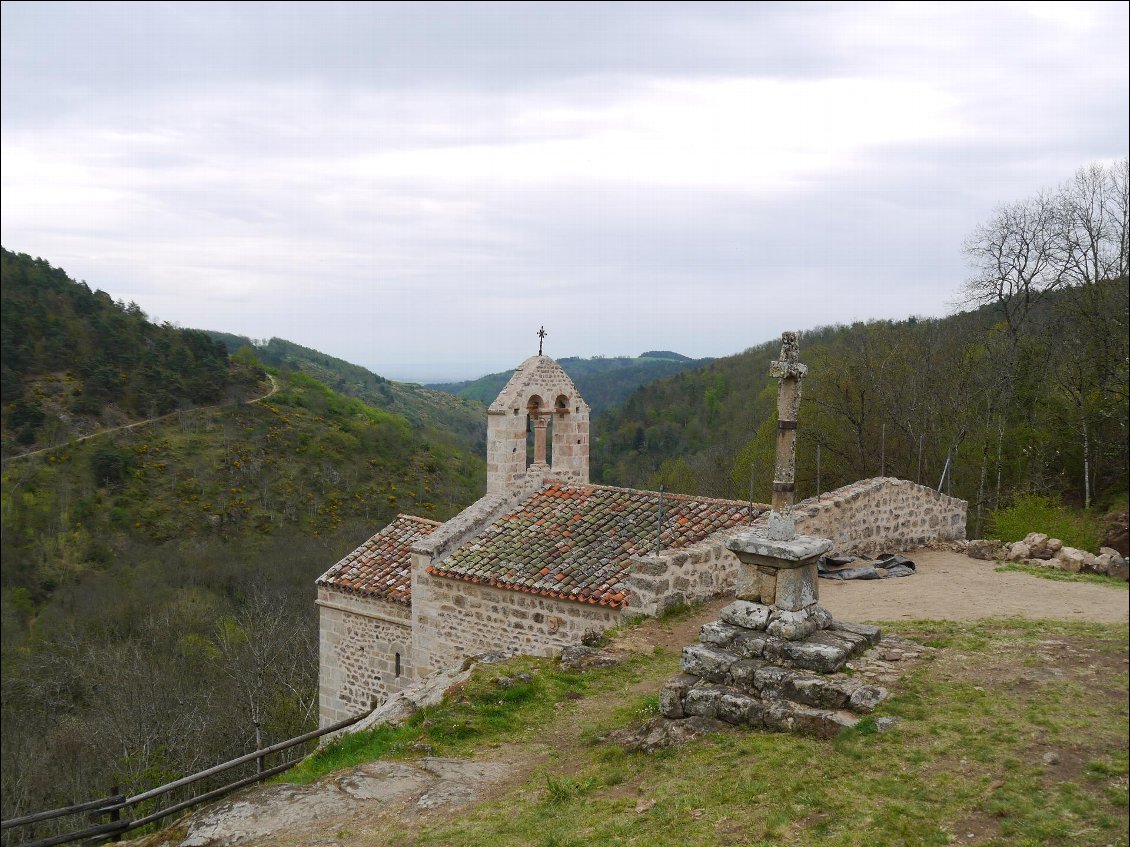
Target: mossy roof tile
column 382, row 566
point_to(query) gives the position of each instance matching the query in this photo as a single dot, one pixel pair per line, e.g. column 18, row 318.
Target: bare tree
column 1017, row 258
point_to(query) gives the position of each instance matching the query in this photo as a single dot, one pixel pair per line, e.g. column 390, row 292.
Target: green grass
column 1063, row 576
column 1037, row 513
column 976, row 718
column 484, row 712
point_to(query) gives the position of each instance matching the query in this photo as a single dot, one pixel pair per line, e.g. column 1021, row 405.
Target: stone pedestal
column 774, row 659
column 781, row 573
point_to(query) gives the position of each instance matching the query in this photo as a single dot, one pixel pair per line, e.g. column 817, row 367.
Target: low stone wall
column 454, row 619
column 692, row 574
column 358, row 641
column 865, row 518
column 882, row 515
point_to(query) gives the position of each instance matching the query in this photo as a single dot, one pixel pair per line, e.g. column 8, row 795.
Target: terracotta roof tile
column 574, row 541
column 382, row 566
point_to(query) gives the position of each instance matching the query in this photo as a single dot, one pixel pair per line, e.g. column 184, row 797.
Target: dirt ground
column 951, row 586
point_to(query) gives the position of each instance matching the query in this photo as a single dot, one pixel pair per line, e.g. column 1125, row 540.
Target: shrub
column 1038, row 513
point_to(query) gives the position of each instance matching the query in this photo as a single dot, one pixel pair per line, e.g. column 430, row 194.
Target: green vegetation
column 1029, row 393
column 74, row 361
column 1015, row 731
column 1063, row 576
column 604, row 382
column 1073, row 527
column 156, row 583
column 459, row 420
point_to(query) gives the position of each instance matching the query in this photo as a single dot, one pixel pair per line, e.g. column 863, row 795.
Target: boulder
column 1037, row 544
column 1119, row 570
column 1073, row 560
column 1018, row 552
column 987, row 550
column 1054, row 545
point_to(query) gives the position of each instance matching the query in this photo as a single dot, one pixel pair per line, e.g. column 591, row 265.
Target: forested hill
column 462, row 418
column 74, row 360
column 157, row 582
column 1037, row 406
column 604, row 382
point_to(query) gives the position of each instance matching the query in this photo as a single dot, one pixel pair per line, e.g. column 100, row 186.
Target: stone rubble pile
column 741, row 673
column 1038, row 549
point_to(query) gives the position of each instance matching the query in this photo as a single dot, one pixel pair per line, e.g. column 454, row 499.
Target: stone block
column 742, row 613
column 792, row 626
column 750, row 644
column 743, row 674
column 747, row 584
column 872, row 633
column 718, row 633
column 702, row 700
column 672, row 694
column 867, row 697
column 740, row 709
column 796, row 588
column 809, row 654
column 707, row 662
column 767, row 586
column 823, row 692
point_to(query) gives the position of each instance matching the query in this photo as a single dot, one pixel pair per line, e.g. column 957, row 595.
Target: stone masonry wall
column 688, row 575
column 882, row 515
column 865, row 518
column 358, row 640
column 453, row 619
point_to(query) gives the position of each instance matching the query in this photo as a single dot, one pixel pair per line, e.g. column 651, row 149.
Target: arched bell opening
column 539, row 428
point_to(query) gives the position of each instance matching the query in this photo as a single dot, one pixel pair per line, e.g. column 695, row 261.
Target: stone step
column 825, row 651
column 740, row 708
column 765, row 679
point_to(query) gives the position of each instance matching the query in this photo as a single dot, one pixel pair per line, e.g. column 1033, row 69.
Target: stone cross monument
column 778, row 567
column 789, row 372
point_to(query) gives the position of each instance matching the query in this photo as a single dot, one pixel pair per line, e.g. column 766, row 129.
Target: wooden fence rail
column 113, row 806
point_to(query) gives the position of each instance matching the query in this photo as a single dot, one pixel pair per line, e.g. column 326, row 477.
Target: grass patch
column 1063, row 576
column 1038, row 513
column 968, row 756
column 486, row 711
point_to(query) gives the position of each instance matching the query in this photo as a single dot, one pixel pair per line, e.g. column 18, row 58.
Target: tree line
column 1026, row 392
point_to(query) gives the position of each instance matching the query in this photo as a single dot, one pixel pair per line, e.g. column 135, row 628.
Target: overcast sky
column 417, row 188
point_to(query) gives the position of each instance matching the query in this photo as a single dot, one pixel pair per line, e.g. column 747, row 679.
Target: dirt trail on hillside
column 136, row 424
column 951, row 586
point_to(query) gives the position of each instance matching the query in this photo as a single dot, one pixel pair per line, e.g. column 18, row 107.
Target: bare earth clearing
column 372, row 804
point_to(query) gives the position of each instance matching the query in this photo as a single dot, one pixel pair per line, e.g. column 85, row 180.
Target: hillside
column 462, row 419
column 1023, row 412
column 156, row 582
column 603, row 382
column 75, row 361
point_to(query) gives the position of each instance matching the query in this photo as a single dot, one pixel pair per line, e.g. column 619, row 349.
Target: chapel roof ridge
column 698, row 498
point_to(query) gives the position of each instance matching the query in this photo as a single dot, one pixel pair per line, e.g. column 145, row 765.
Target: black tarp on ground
column 849, row 567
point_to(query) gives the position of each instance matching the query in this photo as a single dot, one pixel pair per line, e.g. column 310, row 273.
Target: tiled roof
column 382, row 566
column 574, row 541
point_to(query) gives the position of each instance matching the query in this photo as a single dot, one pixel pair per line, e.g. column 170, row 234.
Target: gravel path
column 951, row 586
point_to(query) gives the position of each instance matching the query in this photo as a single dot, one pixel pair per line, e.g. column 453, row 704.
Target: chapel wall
column 358, row 640
column 882, row 515
column 454, row 619
column 688, row 575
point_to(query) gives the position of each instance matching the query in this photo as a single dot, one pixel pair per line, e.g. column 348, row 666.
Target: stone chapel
column 545, row 555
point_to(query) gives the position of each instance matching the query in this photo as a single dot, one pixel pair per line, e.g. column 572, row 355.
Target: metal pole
column 945, row 469
column 659, row 528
